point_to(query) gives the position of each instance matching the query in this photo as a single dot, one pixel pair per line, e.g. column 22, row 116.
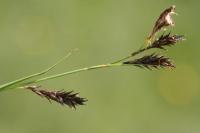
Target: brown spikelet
column 64, row 98
column 151, row 61
column 166, row 40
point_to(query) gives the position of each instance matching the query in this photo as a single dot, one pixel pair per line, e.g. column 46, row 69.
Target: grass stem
column 76, row 71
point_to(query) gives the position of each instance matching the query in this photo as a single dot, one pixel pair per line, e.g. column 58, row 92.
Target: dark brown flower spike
column 161, row 42
column 64, row 98
column 165, row 19
column 166, row 40
column 151, row 61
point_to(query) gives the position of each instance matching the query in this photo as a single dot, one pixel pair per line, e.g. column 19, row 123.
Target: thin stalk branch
column 125, row 58
column 16, row 83
column 133, row 54
column 76, row 71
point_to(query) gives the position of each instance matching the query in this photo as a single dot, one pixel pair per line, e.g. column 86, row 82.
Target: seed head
column 166, row 40
column 151, row 61
column 64, row 98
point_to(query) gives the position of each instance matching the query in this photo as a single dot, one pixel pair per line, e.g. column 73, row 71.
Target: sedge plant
column 150, row 61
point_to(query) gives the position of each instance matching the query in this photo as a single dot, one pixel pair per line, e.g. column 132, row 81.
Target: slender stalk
column 76, row 71
column 18, row 82
column 141, row 50
column 125, row 58
column 133, row 54
column 116, row 63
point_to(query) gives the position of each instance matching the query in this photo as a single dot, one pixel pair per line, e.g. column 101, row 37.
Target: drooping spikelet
column 63, row 97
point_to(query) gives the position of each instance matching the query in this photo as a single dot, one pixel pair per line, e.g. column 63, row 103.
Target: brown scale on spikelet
column 63, row 97
column 164, row 20
column 151, row 61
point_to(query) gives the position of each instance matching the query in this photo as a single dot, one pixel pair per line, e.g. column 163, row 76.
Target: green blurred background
column 34, row 34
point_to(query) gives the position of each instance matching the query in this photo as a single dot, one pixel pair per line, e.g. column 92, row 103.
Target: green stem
column 140, row 51
column 19, row 82
column 132, row 55
column 75, row 71
column 29, row 79
column 125, row 58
